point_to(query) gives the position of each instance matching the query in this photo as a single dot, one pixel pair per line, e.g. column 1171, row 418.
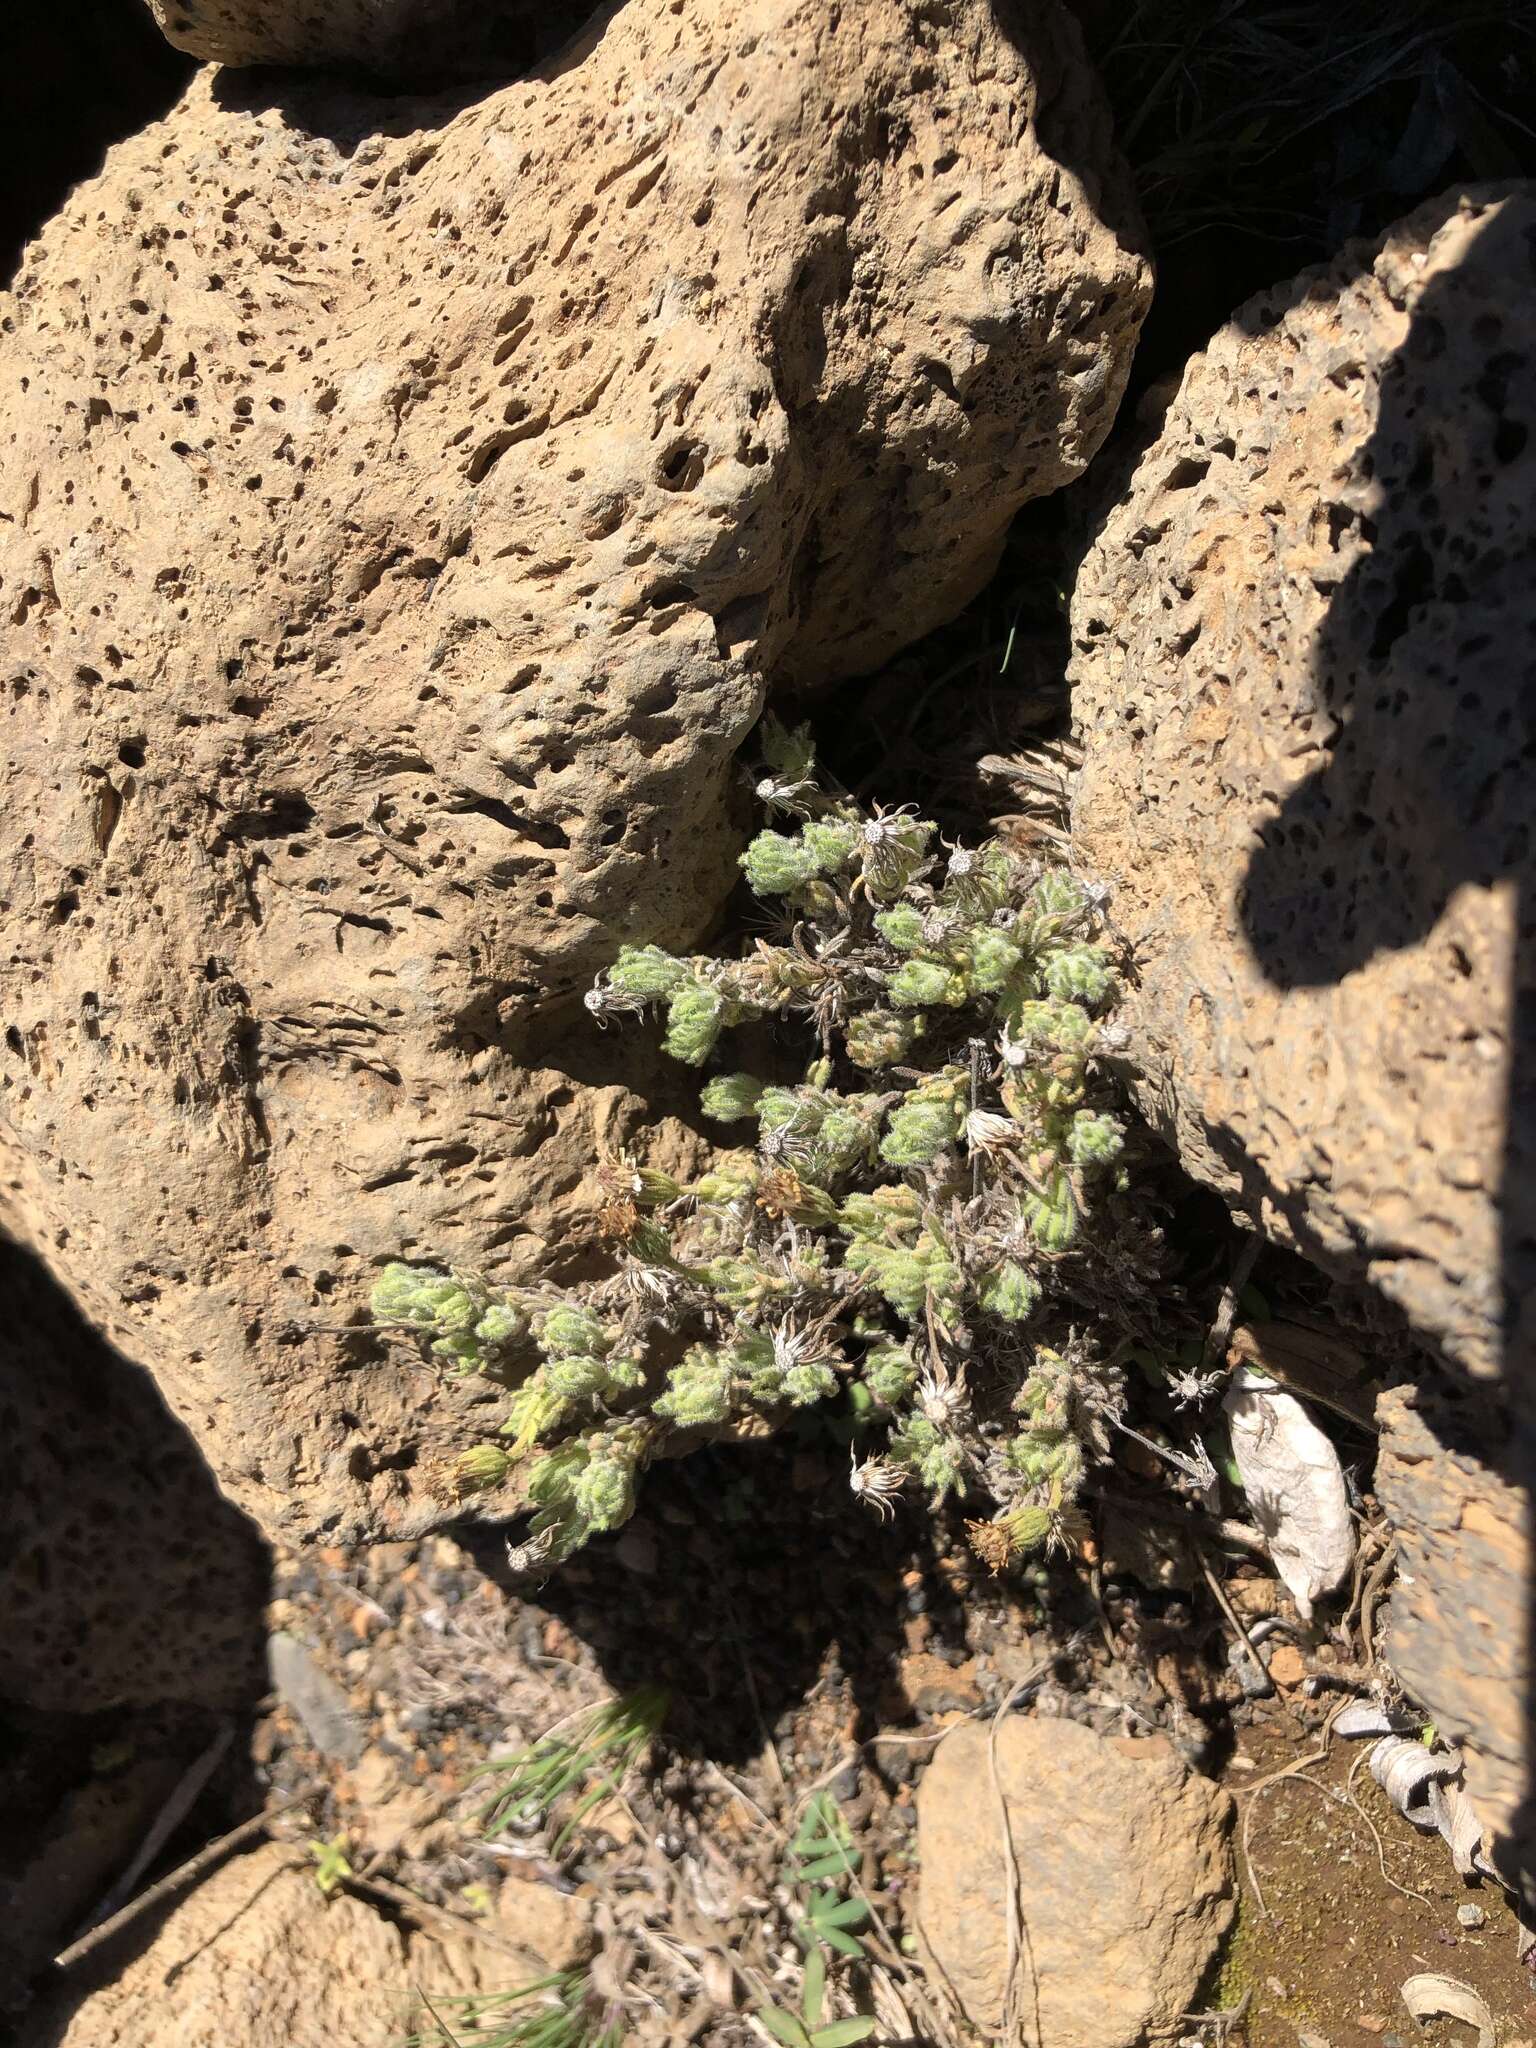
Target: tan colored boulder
column 1460, row 1615
column 1303, row 662
column 1124, row 1875
column 255, row 1957
column 404, row 510
column 1305, row 642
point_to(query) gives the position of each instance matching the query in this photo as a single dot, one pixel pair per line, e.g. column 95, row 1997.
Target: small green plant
column 821, row 1861
column 903, row 1229
column 822, row 1848
column 558, row 2011
column 590, row 1763
column 332, row 1868
column 805, row 2028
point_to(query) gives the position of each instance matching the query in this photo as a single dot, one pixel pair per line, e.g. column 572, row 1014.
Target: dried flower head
column 1190, row 1388
column 986, row 1131
column 619, row 1219
column 942, row 1400
column 876, row 1482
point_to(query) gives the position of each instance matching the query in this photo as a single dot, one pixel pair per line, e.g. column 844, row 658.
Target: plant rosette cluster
column 900, row 1226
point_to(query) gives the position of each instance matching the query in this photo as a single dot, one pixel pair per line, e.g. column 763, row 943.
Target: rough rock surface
column 1124, row 1879
column 405, row 507
column 1303, row 648
column 414, row 40
column 1460, row 1637
column 255, row 1958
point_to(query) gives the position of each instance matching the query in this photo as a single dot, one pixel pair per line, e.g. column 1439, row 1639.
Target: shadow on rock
column 395, row 89
column 1424, row 666
column 131, row 1607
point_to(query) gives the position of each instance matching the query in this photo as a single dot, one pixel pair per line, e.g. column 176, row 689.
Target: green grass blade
column 784, row 2027
column 815, row 1986
column 845, row 1944
column 842, row 2033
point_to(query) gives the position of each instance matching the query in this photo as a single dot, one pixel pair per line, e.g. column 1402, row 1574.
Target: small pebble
column 1471, row 1916
column 315, row 1698
column 846, row 1784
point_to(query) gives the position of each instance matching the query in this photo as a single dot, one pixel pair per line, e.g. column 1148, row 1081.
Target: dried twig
column 1380, row 1572
column 166, row 1822
column 1194, row 1522
column 1249, row 1793
column 1018, row 1934
column 1221, row 1328
column 1381, row 1854
column 740, row 1792
column 1234, row 1621
column 1222, row 2023
column 182, row 1875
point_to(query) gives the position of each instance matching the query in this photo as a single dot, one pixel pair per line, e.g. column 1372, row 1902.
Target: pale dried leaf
column 1431, row 1996
column 719, row 1980
column 1457, row 1819
column 1295, row 1487
column 890, row 2007
column 1364, row 1717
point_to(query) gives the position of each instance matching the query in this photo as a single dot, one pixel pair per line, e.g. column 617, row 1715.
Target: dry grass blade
column 590, row 1763
column 555, row 2011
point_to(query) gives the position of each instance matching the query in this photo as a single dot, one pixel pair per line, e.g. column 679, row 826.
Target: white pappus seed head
column 775, row 795
column 885, row 826
column 660, row 1285
column 986, row 1131
column 940, row 1399
column 603, row 1002
column 876, row 1481
column 792, row 1347
column 527, row 1557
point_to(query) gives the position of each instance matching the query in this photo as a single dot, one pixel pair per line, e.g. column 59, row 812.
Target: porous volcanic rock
column 1304, row 640
column 1457, row 1485
column 254, row 1957
column 1124, row 1872
column 406, row 506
